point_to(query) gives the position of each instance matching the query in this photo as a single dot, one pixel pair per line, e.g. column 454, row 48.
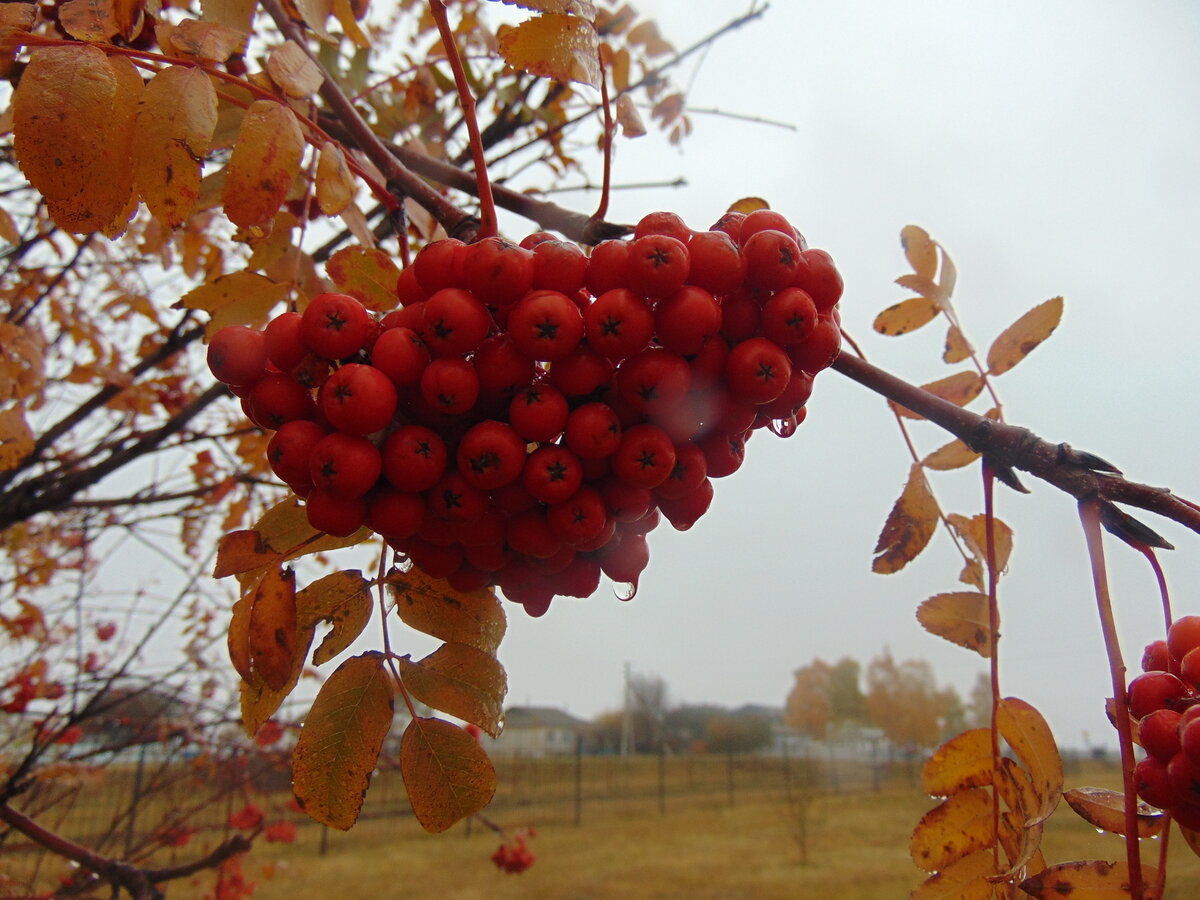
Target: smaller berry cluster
column 530, row 412
column 514, row 857
column 1165, row 701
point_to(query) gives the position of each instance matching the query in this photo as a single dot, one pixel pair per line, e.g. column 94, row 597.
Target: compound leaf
column 447, row 774
column 340, row 743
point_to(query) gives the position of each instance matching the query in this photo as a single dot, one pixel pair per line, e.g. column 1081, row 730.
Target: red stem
column 989, row 483
column 487, row 207
column 1089, row 514
column 602, row 209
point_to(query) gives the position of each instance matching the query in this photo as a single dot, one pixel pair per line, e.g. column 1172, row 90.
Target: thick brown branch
column 1079, row 474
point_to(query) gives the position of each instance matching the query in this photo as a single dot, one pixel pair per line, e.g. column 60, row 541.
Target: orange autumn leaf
column 460, row 680
column 431, row 606
column 447, row 774
column 238, row 636
column 118, row 149
column 175, row 124
column 909, row 525
column 747, row 205
column 343, row 599
column 961, row 618
column 964, row 761
column 271, row 634
column 70, row 129
column 294, row 71
column 16, row 438
column 236, row 14
column 340, row 743
column 1023, row 335
column 264, row 163
column 1094, row 879
column 953, row 455
column 957, row 349
column 629, row 118
column 89, row 20
column 1030, row 738
column 974, row 532
column 956, row 828
column 209, row 41
column 553, row 45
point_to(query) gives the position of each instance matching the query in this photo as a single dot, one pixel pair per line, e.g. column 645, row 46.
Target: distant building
column 539, row 731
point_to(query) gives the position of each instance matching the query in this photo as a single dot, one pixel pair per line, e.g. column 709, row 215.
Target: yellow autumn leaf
column 239, row 298
column 1030, row 738
column 909, row 525
column 459, row 680
column 920, row 250
column 956, row 828
column 619, row 71
column 264, row 163
column 447, row 774
column 1019, row 338
column 957, row 348
column 974, row 532
column 237, row 14
column 553, row 45
column 16, row 438
column 965, row 879
column 953, row 455
column 367, row 274
column 335, row 183
column 431, row 606
column 960, row 389
column 294, row 71
column 964, row 761
column 68, row 134
column 344, row 11
column 174, row 131
column 629, row 118
column 960, row 617
column 315, row 14
column 1093, row 879
column 583, row 8
column 907, row 315
column 748, row 205
column 118, row 149
column 340, row 743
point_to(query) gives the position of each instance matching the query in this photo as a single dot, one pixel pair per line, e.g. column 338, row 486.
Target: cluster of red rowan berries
column 1165, row 701
column 530, row 412
column 515, row 856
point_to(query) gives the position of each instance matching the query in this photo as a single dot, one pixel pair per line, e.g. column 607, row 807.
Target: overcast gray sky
column 1053, row 149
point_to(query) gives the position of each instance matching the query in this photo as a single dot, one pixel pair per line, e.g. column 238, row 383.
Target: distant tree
column 809, row 709
column 737, row 732
column 904, row 700
column 979, row 702
column 846, row 700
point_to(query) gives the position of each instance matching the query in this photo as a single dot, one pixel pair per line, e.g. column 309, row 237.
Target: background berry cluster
column 530, row 412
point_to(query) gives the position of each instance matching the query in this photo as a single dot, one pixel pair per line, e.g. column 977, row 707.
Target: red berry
column 490, row 455
column 334, row 514
column 1159, row 733
column 414, row 458
column 772, row 259
column 645, row 456
column 715, row 262
column 456, row 322
column 1156, row 657
column 335, row 326
column 545, row 325
column 400, row 355
column 538, row 413
column 559, row 266
column 686, row 319
column 450, row 385
column 667, row 223
column 289, row 450
column 284, row 341
column 497, row 271
column 277, row 399
column 619, row 323
column 606, row 267
column 657, row 265
column 1183, row 636
column 552, row 473
column 1154, row 690
column 593, row 431
column 345, row 465
column 237, row 355
column 758, row 370
column 358, row 399
column 395, row 514
column 440, row 265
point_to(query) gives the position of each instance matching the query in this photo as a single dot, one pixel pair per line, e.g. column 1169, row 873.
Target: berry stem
column 989, row 511
column 487, row 207
column 1165, row 594
column 1089, row 514
column 602, row 209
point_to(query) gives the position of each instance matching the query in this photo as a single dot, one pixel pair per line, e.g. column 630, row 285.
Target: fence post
column 578, row 779
column 729, row 774
column 662, row 777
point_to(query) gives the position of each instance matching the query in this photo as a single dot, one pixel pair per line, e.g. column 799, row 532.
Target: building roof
column 541, row 717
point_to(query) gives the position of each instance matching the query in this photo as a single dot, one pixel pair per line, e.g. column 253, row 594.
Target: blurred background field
column 702, row 825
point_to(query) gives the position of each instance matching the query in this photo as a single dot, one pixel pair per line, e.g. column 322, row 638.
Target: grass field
column 694, row 840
